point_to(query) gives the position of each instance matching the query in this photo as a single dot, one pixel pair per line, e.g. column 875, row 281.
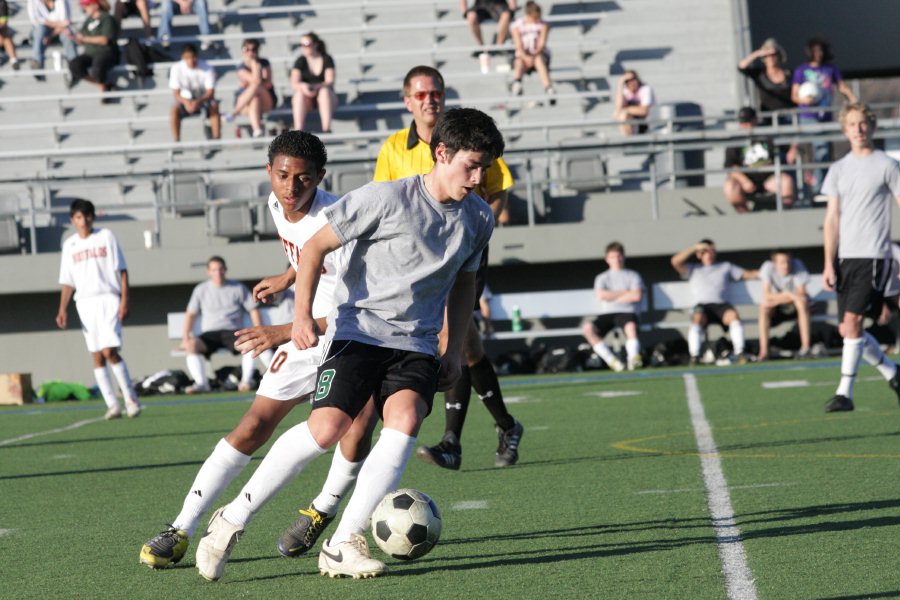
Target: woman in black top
column 257, row 94
column 312, row 80
column 773, row 81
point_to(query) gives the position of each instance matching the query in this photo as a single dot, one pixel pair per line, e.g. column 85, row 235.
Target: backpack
column 141, row 57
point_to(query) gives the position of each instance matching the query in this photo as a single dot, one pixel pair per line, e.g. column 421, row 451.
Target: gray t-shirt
column 221, row 308
column 784, row 283
column 865, row 188
column 409, row 249
column 617, row 281
column 709, row 285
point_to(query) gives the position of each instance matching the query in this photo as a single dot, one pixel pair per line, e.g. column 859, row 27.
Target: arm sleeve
column 474, row 260
column 638, row 283
column 801, row 275
column 600, row 281
column 836, row 74
column 116, row 250
column 108, row 29
column 646, row 96
column 209, row 77
column 327, row 63
column 174, row 84
column 247, row 299
column 358, row 214
column 830, row 184
column 688, row 270
column 893, row 177
column 736, row 272
column 65, row 274
column 797, row 78
column 765, row 271
column 194, row 303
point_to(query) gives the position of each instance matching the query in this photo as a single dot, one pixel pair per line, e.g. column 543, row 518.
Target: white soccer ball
column 810, row 90
column 406, row 524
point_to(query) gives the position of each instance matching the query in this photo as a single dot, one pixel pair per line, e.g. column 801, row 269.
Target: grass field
column 608, row 501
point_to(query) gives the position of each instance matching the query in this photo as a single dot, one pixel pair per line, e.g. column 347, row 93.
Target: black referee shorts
column 860, row 285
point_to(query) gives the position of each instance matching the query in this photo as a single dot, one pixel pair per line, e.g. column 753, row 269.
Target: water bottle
column 516, row 318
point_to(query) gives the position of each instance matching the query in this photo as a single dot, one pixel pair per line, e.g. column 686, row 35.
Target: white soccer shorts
column 292, row 372
column 100, row 322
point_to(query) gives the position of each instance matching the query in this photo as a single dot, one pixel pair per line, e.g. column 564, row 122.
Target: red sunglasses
column 436, row 95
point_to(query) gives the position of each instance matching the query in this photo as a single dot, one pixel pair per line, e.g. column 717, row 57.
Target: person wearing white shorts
column 93, row 270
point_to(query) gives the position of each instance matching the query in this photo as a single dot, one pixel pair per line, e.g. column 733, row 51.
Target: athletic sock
column 219, row 470
column 248, row 368
column 120, row 371
column 197, row 369
column 380, row 474
column 104, row 382
column 695, row 340
column 852, row 352
column 341, row 477
column 605, row 353
column 736, row 331
column 632, row 347
column 875, row 356
column 456, row 403
column 484, row 380
column 290, row 453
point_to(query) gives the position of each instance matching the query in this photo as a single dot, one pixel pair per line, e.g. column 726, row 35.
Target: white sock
column 605, row 353
column 220, row 469
column 380, row 474
column 104, row 382
column 341, row 478
column 875, row 356
column 632, row 347
column 248, row 367
column 197, row 369
column 695, row 340
column 120, row 371
column 853, row 349
column 736, row 331
column 290, row 453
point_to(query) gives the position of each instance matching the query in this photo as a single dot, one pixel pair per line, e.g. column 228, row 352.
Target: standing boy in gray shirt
column 709, row 285
column 860, row 189
column 414, row 245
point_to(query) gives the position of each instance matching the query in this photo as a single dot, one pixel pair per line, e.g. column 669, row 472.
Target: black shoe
column 447, row 454
column 839, row 403
column 508, row 446
column 895, row 384
column 302, row 534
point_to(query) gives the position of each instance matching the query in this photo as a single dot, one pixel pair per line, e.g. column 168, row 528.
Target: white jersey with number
column 292, row 372
column 92, row 265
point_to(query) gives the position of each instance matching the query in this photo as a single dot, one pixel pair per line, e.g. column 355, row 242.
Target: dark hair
column 85, row 207
column 814, row 41
column 780, row 251
column 532, row 8
column 421, row 71
column 318, row 44
column 189, row 49
column 707, row 241
column 217, row 259
column 299, row 144
column 615, row 247
column 467, row 129
column 252, row 42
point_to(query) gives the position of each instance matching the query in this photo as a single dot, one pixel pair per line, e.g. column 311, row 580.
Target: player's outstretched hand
column 450, row 372
column 258, row 339
column 265, row 290
column 62, row 320
column 304, row 333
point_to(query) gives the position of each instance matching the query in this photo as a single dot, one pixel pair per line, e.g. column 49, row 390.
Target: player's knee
column 252, row 432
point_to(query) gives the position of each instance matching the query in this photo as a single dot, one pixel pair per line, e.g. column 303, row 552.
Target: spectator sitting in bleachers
column 6, row 36
column 784, row 298
column 772, row 78
column 312, row 79
column 193, row 83
column 98, row 36
column 167, row 9
column 529, row 34
column 256, row 94
column 501, row 11
column 50, row 18
column 633, row 100
column 758, row 151
column 139, row 8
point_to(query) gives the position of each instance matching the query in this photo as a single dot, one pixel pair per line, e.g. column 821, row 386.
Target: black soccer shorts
column 606, row 323
column 860, row 285
column 214, row 340
column 713, row 312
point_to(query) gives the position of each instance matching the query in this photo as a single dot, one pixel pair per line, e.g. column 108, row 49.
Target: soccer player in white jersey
column 93, row 269
column 861, row 187
column 619, row 291
column 295, row 166
column 414, row 246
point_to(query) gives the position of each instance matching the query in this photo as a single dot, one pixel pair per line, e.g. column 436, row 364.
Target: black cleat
column 839, row 403
column 895, row 383
column 301, row 535
column 447, row 454
column 508, row 446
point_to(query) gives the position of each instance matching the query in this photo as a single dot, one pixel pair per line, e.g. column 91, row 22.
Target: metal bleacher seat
column 187, row 194
column 583, row 172
column 232, row 220
column 345, row 178
column 232, row 190
column 10, row 240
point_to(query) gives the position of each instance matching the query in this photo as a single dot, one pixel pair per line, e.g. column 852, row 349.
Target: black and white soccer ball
column 406, row 524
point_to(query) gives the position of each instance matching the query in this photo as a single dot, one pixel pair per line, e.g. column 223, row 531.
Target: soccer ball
column 406, row 524
column 810, row 89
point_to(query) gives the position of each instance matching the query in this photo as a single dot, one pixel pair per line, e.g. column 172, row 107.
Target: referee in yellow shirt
column 407, row 153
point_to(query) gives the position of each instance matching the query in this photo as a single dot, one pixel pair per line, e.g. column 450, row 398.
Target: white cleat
column 215, row 546
column 133, row 408
column 350, row 559
column 635, row 362
column 617, row 366
column 113, row 413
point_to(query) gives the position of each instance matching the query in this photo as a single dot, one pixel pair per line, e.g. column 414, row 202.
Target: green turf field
column 608, row 500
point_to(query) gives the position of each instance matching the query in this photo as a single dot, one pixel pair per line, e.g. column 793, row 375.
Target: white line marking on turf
column 28, row 436
column 750, row 486
column 774, row 385
column 738, row 577
column 62, row 456
column 470, row 505
column 613, row 394
column 5, row 532
column 538, row 428
column 514, row 399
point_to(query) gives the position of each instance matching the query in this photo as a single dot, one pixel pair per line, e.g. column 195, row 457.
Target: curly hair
column 299, row 144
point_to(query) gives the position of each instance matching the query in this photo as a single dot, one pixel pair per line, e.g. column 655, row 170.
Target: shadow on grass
column 69, row 442
column 121, row 468
column 800, row 442
column 808, row 512
column 575, row 459
column 895, row 594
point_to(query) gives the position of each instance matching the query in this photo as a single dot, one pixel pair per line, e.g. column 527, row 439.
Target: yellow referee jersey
column 404, row 154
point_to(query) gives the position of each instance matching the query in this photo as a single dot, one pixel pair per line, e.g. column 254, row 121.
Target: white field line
column 538, row 428
column 739, row 583
column 5, row 532
column 750, row 486
column 470, row 505
column 28, row 436
column 614, row 394
column 514, row 399
column 774, row 385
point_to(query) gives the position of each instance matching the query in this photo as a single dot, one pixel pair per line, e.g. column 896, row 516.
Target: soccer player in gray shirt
column 709, row 280
column 861, row 187
column 784, row 298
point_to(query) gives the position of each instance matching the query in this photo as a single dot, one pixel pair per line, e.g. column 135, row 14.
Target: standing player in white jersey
column 93, row 269
column 861, row 187
column 620, row 291
column 295, row 166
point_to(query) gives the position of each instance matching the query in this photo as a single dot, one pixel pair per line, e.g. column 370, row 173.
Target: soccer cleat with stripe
column 508, row 446
column 301, row 535
column 216, row 545
column 165, row 549
column 447, row 454
column 350, row 559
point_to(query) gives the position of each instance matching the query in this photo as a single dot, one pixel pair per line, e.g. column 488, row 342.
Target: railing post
column 654, row 193
column 779, row 200
column 529, row 191
column 31, row 226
